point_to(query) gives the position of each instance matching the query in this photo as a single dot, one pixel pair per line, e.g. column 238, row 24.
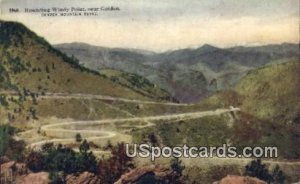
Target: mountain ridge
column 32, row 54
column 203, row 46
column 30, row 67
column 221, row 68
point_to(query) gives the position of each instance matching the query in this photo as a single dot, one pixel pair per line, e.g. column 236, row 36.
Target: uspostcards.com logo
column 224, row 151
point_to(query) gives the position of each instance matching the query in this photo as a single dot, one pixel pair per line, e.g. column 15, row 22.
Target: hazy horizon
column 165, row 25
column 170, row 50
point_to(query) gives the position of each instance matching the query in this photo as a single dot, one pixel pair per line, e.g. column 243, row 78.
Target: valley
column 189, row 75
column 81, row 102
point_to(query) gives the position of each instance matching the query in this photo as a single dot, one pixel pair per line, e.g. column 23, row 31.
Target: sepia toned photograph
column 149, row 92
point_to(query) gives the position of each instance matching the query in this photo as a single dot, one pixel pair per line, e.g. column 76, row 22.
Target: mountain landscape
column 30, row 66
column 67, row 111
column 189, row 75
column 45, row 69
column 269, row 98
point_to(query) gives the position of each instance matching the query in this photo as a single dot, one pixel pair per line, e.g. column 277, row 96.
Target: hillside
column 272, row 91
column 269, row 101
column 28, row 61
column 189, row 75
column 30, row 67
column 137, row 83
column 102, row 58
column 269, row 92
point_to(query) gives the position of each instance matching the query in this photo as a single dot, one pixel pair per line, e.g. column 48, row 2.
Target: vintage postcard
column 149, row 92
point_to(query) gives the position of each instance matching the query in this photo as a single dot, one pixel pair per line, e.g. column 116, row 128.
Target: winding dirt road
column 103, row 134
column 99, row 134
column 100, row 97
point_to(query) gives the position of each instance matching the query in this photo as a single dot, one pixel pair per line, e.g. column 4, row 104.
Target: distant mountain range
column 41, row 86
column 188, row 74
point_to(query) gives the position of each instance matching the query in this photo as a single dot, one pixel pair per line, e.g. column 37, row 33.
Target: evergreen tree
column 278, row 177
column 78, row 137
column 258, row 170
column 84, row 147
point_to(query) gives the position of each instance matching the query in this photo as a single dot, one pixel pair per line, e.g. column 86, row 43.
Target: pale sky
column 161, row 25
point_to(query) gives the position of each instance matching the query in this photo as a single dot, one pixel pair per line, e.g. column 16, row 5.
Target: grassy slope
column 272, row 91
column 135, row 82
column 269, row 92
column 43, row 68
column 205, row 131
column 269, row 99
column 29, row 62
